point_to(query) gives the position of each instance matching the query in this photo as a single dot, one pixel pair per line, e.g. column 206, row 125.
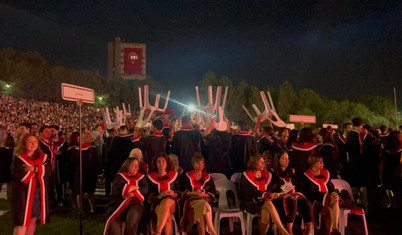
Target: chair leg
column 249, row 222
column 217, row 223
column 243, row 226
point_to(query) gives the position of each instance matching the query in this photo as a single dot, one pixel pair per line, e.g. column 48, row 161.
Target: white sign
column 331, row 125
column 76, row 93
column 302, row 118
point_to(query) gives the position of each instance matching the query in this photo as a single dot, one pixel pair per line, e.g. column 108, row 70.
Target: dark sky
column 341, row 48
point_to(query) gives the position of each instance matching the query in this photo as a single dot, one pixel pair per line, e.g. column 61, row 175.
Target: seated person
column 198, row 195
column 291, row 200
column 255, row 194
column 318, row 188
column 164, row 192
column 129, row 190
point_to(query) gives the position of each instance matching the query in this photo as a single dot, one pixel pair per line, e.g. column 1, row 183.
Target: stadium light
column 191, row 108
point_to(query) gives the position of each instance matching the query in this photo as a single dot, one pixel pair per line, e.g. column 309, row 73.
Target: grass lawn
column 63, row 220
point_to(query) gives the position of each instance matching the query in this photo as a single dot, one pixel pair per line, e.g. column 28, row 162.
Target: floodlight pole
column 80, row 209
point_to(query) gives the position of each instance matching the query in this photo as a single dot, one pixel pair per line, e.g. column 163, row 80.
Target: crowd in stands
column 163, row 175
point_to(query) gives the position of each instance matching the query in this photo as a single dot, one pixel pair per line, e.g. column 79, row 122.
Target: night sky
column 341, row 49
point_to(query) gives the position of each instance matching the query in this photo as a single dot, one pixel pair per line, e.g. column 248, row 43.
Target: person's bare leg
column 209, row 223
column 308, row 228
column 264, row 221
column 334, row 212
column 79, row 204
column 289, row 228
column 166, row 213
column 275, row 217
column 91, row 199
column 31, row 227
column 168, row 226
column 19, row 230
column 201, row 226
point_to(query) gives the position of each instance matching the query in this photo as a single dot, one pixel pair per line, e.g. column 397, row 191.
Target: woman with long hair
column 256, row 196
column 198, row 195
column 31, row 169
column 129, row 191
column 292, row 200
column 164, row 193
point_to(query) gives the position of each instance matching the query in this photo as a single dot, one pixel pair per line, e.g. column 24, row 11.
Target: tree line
column 28, row 75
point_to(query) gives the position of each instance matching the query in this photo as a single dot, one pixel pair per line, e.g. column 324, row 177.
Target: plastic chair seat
column 344, row 212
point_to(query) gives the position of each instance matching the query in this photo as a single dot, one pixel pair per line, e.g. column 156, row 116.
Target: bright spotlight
column 191, row 108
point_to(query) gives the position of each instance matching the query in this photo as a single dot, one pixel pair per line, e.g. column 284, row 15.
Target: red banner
column 133, row 60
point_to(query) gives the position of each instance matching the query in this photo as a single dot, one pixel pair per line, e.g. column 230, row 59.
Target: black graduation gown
column 340, row 142
column 329, row 157
column 91, row 167
column 120, row 149
column 118, row 200
column 6, row 158
column 190, row 184
column 219, row 144
column 185, row 143
column 24, row 185
column 301, row 152
column 243, row 147
column 253, row 191
column 355, row 172
column 317, row 188
column 391, row 162
column 47, row 148
column 267, row 143
column 153, row 145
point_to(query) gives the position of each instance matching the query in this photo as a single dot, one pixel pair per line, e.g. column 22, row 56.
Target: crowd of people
column 156, row 176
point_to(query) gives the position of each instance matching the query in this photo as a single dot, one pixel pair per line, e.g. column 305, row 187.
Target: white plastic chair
column 344, row 212
column 236, row 178
column 224, row 210
column 217, row 176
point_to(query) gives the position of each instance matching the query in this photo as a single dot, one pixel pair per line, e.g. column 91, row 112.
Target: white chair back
column 342, row 185
column 217, row 176
column 223, row 186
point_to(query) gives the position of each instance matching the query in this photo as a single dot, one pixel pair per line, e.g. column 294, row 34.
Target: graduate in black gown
column 130, row 189
column 243, row 146
column 316, row 185
column 256, row 195
column 164, row 193
column 198, row 196
column 155, row 143
column 219, row 144
column 186, row 142
column 120, row 148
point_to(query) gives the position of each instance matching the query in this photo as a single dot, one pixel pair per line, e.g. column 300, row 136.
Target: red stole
column 31, row 178
column 320, row 180
column 198, row 184
column 261, row 183
column 163, row 182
